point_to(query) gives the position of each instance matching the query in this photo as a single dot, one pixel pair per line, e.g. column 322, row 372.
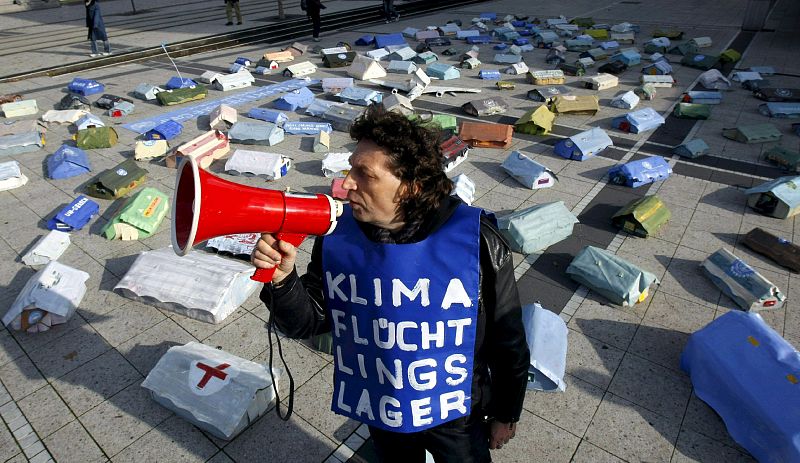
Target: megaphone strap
column 270, row 327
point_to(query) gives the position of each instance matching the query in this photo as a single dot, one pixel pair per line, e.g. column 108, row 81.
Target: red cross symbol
column 210, row 372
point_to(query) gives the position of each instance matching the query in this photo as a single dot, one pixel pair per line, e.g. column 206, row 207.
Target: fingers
column 269, row 252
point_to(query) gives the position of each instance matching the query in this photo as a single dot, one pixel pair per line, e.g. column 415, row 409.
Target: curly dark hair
column 414, row 158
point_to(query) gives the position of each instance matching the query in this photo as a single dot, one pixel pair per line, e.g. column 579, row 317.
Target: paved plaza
column 73, row 393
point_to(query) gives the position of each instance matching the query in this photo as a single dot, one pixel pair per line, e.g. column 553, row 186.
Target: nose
column 349, row 183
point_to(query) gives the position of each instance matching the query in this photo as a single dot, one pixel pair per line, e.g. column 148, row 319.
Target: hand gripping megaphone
column 205, row 206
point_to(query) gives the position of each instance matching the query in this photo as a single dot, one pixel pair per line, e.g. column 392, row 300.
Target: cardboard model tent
column 780, row 250
column 364, row 68
column 692, row 149
column 638, row 121
column 778, row 198
column 139, row 218
column 643, row 216
column 537, row 121
column 218, row 392
column 584, row 145
column 537, row 227
column 255, row 163
column 640, row 172
column 50, row 297
column 740, row 282
column 627, row 100
column 198, row 285
column 256, row 133
column 575, row 104
column 756, row 133
column 11, row 176
column 615, row 278
column 49, row 248
column 528, row 172
column 754, row 407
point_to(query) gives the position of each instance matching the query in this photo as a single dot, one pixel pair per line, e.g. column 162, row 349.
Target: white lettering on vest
column 356, row 338
column 340, row 400
column 364, row 405
column 427, row 380
column 333, row 286
column 427, row 336
column 455, row 294
column 361, row 368
column 401, row 343
column 420, row 289
column 340, row 363
column 383, row 324
column 392, row 418
column 354, row 292
column 459, row 326
column 396, row 380
column 337, row 316
column 454, row 370
column 420, row 409
column 452, row 401
column 376, row 283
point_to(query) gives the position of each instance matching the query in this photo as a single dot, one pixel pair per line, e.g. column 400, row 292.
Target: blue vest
column 404, row 319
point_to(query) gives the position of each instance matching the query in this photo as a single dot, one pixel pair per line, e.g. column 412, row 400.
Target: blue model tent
column 749, row 375
column 85, row 87
column 637, row 173
column 368, row 39
column 638, row 121
column 177, row 82
column 300, row 98
column 268, row 115
column 75, row 215
column 386, row 40
column 68, row 161
column 164, row 131
column 584, row 145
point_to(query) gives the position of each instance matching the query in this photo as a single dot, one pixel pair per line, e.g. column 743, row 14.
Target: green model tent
column 642, row 217
column 537, row 121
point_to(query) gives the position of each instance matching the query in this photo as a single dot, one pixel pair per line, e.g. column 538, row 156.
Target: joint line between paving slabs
column 19, row 426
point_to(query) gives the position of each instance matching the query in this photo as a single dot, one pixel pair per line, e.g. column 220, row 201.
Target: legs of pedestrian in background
column 106, row 47
column 94, row 49
column 230, row 7
column 317, row 22
column 390, row 12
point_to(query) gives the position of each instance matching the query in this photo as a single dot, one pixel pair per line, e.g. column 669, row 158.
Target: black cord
column 270, row 327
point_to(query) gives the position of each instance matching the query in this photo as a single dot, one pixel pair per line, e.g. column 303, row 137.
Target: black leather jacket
column 501, row 351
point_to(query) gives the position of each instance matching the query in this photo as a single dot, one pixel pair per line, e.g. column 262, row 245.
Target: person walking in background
column 313, row 8
column 97, row 29
column 230, row 6
column 390, row 11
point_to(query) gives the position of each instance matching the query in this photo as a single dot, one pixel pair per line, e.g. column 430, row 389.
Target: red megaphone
column 205, row 206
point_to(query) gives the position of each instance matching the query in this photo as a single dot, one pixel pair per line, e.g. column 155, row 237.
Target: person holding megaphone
column 418, row 291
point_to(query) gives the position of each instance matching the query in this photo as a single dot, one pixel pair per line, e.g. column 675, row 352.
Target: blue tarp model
column 166, row 130
column 177, row 82
column 299, row 98
column 68, row 161
column 268, row 115
column 85, row 87
column 637, row 173
column 75, row 215
column 615, row 278
column 750, row 376
column 546, row 334
column 638, row 121
column 584, row 145
column 385, row 40
column 368, row 39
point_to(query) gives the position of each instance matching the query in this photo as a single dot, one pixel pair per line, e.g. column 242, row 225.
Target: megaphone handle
column 264, row 275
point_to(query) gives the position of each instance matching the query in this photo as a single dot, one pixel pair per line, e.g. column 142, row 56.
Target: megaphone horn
column 205, row 206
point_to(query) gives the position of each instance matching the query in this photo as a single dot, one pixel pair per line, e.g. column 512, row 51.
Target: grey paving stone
column 201, row 330
column 127, row 322
column 313, row 404
column 651, row 254
column 46, row 411
column 73, row 444
column 652, row 386
column 69, row 351
column 537, row 440
column 34, row 449
column 692, row 446
column 588, row 453
column 678, row 314
column 8, row 446
column 41, row 457
column 245, row 337
column 703, row 419
column 173, row 440
column 16, row 423
column 100, row 298
column 27, row 441
column 301, row 360
column 9, row 348
column 145, row 349
column 591, row 360
column 631, row 432
column 606, row 323
column 571, row 410
column 659, row 345
column 695, row 288
column 21, row 432
column 220, row 457
column 94, row 382
column 282, row 440
column 21, row 377
column 124, row 418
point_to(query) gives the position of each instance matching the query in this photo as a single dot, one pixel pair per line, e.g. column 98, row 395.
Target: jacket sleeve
column 506, row 347
column 298, row 306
